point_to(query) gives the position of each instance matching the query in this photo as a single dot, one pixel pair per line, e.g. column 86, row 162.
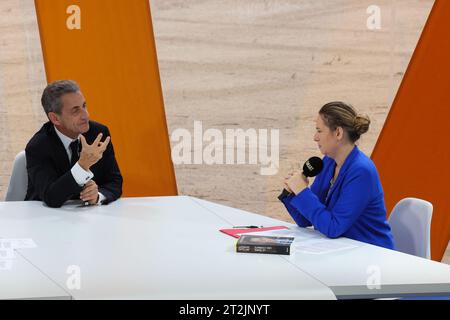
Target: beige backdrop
column 262, row 64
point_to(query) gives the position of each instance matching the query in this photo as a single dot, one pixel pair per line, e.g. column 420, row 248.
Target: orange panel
column 113, row 58
column 413, row 151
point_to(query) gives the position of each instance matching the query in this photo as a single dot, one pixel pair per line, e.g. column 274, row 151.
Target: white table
column 150, row 248
column 350, row 273
column 19, row 279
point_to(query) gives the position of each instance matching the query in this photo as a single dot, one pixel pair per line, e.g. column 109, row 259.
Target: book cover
column 264, row 244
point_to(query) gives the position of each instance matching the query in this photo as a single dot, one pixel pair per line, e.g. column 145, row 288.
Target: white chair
column 410, row 222
column 18, row 184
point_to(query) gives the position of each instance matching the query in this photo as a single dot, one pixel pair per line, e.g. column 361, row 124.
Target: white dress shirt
column 80, row 175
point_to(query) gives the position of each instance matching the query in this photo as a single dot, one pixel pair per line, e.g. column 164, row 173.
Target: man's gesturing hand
column 91, row 153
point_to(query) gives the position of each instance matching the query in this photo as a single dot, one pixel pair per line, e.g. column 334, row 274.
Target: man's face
column 74, row 117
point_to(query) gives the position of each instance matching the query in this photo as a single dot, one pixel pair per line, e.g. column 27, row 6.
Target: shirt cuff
column 80, row 175
column 101, row 197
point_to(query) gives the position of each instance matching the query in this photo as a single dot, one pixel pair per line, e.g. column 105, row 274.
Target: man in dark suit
column 71, row 157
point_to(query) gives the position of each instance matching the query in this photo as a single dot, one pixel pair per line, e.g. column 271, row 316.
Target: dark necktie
column 74, row 146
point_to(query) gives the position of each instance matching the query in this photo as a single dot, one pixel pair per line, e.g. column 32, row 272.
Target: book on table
column 264, row 244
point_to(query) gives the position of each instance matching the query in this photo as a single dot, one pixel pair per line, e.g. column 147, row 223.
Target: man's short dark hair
column 51, row 97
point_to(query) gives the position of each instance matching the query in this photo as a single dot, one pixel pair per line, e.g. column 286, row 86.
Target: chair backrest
column 18, row 184
column 410, row 222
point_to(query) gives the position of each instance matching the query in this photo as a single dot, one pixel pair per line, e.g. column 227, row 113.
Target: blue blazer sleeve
column 352, row 200
column 315, row 186
column 295, row 214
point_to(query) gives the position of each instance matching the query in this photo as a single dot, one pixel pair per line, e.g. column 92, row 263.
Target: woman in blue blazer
column 346, row 198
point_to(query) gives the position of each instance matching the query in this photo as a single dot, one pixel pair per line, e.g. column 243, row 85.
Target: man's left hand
column 90, row 192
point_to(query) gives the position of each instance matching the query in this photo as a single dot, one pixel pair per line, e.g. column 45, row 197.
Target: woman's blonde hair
column 339, row 114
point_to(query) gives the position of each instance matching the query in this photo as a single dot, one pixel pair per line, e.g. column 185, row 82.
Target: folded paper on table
column 7, row 247
column 309, row 241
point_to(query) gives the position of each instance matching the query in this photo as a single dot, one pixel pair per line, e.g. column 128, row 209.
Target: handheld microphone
column 311, row 168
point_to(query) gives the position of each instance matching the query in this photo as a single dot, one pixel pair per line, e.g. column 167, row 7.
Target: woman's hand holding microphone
column 295, row 182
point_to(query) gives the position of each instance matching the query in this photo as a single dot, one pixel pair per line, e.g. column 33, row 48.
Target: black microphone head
column 312, row 167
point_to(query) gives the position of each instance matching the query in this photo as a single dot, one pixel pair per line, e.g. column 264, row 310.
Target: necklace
column 332, row 180
column 329, row 189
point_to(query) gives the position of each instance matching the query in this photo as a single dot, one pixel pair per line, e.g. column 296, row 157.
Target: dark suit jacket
column 49, row 176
